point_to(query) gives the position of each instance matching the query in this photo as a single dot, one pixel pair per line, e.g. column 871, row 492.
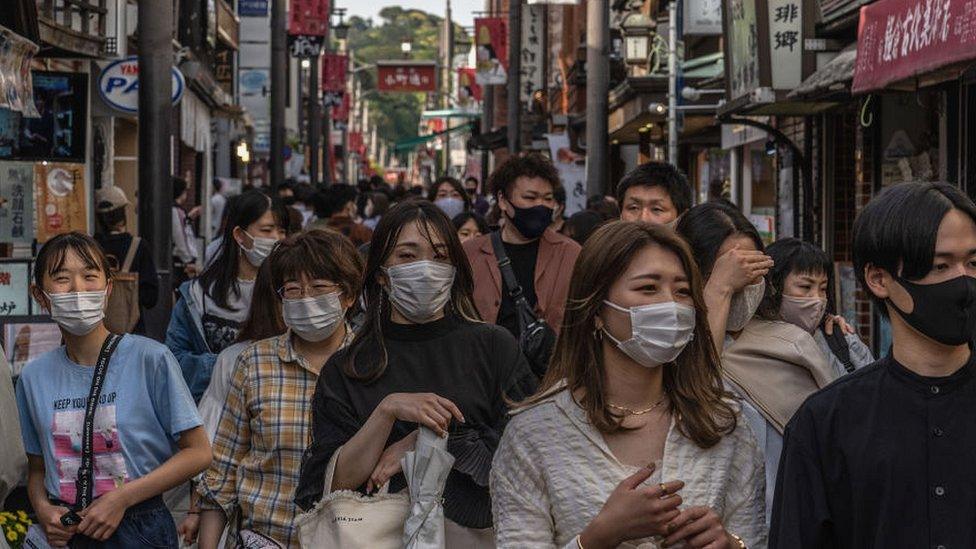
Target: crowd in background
column 646, row 372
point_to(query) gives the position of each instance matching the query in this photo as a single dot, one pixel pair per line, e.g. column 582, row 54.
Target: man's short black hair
column 658, row 174
column 898, row 229
column 530, row 165
column 332, row 200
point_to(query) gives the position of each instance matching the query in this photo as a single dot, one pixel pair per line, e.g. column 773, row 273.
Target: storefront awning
column 899, row 42
column 834, row 77
column 408, row 144
column 706, row 66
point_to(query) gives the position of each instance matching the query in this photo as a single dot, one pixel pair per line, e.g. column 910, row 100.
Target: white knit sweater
column 553, row 472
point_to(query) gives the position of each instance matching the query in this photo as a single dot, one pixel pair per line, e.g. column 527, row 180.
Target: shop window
column 910, row 143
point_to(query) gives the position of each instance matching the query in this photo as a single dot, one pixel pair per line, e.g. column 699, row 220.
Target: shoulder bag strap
column 130, row 254
column 86, row 473
column 838, row 346
column 505, row 266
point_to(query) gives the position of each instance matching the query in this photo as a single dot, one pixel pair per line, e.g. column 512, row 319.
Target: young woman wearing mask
column 801, row 281
column 264, row 426
column 631, row 440
column 263, row 321
column 469, row 225
column 125, row 391
column 772, row 364
column 422, row 357
column 449, row 195
column 211, row 308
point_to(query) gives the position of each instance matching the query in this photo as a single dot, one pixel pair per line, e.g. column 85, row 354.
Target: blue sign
column 252, row 8
column 119, row 85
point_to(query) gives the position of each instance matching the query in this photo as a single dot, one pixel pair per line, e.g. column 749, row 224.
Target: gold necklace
column 632, row 412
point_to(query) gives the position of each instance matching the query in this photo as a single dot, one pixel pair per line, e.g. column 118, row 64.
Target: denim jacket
column 185, row 339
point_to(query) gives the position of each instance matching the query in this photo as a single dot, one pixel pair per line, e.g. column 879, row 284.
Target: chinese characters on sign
column 16, row 202
column 743, row 47
column 491, row 40
column 786, row 43
column 334, row 67
column 899, row 39
column 414, row 76
column 308, row 23
column 532, row 52
column 14, row 296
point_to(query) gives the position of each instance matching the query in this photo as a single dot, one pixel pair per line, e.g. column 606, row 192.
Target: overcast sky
column 462, row 10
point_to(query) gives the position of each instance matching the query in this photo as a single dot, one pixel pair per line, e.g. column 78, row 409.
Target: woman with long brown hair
column 422, row 357
column 631, row 440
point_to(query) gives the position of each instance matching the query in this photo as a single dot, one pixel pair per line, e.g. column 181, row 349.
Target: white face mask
column 451, row 207
column 743, row 306
column 659, row 332
column 78, row 313
column 261, row 248
column 313, row 318
column 419, row 290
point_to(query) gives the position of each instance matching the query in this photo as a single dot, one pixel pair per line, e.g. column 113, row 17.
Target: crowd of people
column 644, row 373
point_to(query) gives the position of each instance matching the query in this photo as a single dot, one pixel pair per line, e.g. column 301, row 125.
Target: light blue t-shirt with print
column 143, row 407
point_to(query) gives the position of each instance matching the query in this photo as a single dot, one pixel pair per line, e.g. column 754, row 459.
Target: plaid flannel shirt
column 264, row 429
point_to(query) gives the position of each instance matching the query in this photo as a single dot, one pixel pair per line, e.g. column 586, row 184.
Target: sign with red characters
column 406, row 76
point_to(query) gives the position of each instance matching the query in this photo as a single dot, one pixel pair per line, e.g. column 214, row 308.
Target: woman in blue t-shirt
column 146, row 432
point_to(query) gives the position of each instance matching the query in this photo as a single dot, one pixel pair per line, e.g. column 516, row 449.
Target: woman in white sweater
column 632, row 441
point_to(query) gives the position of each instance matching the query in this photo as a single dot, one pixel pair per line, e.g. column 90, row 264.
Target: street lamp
column 341, row 28
column 306, row 64
column 406, row 47
column 694, row 94
column 637, row 38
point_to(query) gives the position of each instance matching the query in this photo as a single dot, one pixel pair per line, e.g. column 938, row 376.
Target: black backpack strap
column 837, row 342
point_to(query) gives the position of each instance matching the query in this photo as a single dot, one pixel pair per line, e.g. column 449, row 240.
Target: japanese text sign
column 743, row 47
column 899, row 39
column 308, row 17
column 532, row 52
column 14, row 282
column 334, row 68
column 16, row 202
column 786, row 43
column 415, row 76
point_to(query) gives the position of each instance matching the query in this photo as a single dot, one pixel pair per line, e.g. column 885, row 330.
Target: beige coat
column 13, row 460
column 776, row 365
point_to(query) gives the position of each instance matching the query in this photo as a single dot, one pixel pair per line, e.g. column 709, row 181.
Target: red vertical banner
column 356, row 143
column 334, row 68
column 468, row 88
column 340, row 113
column 491, row 39
column 308, row 17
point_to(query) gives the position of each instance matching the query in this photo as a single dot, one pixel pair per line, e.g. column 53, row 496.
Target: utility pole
column 279, row 91
column 515, row 74
column 155, row 42
column 597, row 90
column 673, row 82
column 448, row 41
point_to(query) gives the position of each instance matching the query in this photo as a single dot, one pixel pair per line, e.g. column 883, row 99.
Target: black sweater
column 475, row 365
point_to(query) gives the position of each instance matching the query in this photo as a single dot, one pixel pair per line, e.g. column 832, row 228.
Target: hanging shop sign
column 468, row 89
column 16, row 202
column 702, row 17
column 14, row 286
column 16, row 90
column 572, row 171
column 308, row 24
column 406, row 76
column 900, row 39
column 334, row 67
column 119, row 85
column 765, row 58
column 340, row 114
column 61, row 199
column 491, row 40
column 532, row 52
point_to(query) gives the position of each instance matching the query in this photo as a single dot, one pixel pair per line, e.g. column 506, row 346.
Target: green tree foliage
column 397, row 114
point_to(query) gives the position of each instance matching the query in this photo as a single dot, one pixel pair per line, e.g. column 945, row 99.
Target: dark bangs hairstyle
column 792, row 255
column 463, row 217
column 54, row 252
column 693, row 382
column 366, row 357
column 658, row 174
column 707, row 226
column 219, row 278
column 264, row 318
column 897, row 231
column 455, row 184
column 318, row 254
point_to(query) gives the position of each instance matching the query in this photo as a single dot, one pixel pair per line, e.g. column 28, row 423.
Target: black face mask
column 532, row 222
column 945, row 312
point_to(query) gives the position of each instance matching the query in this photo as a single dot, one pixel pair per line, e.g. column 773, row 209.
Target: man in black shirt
column 884, row 457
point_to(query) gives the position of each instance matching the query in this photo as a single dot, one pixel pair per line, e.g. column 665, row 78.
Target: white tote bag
column 346, row 519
